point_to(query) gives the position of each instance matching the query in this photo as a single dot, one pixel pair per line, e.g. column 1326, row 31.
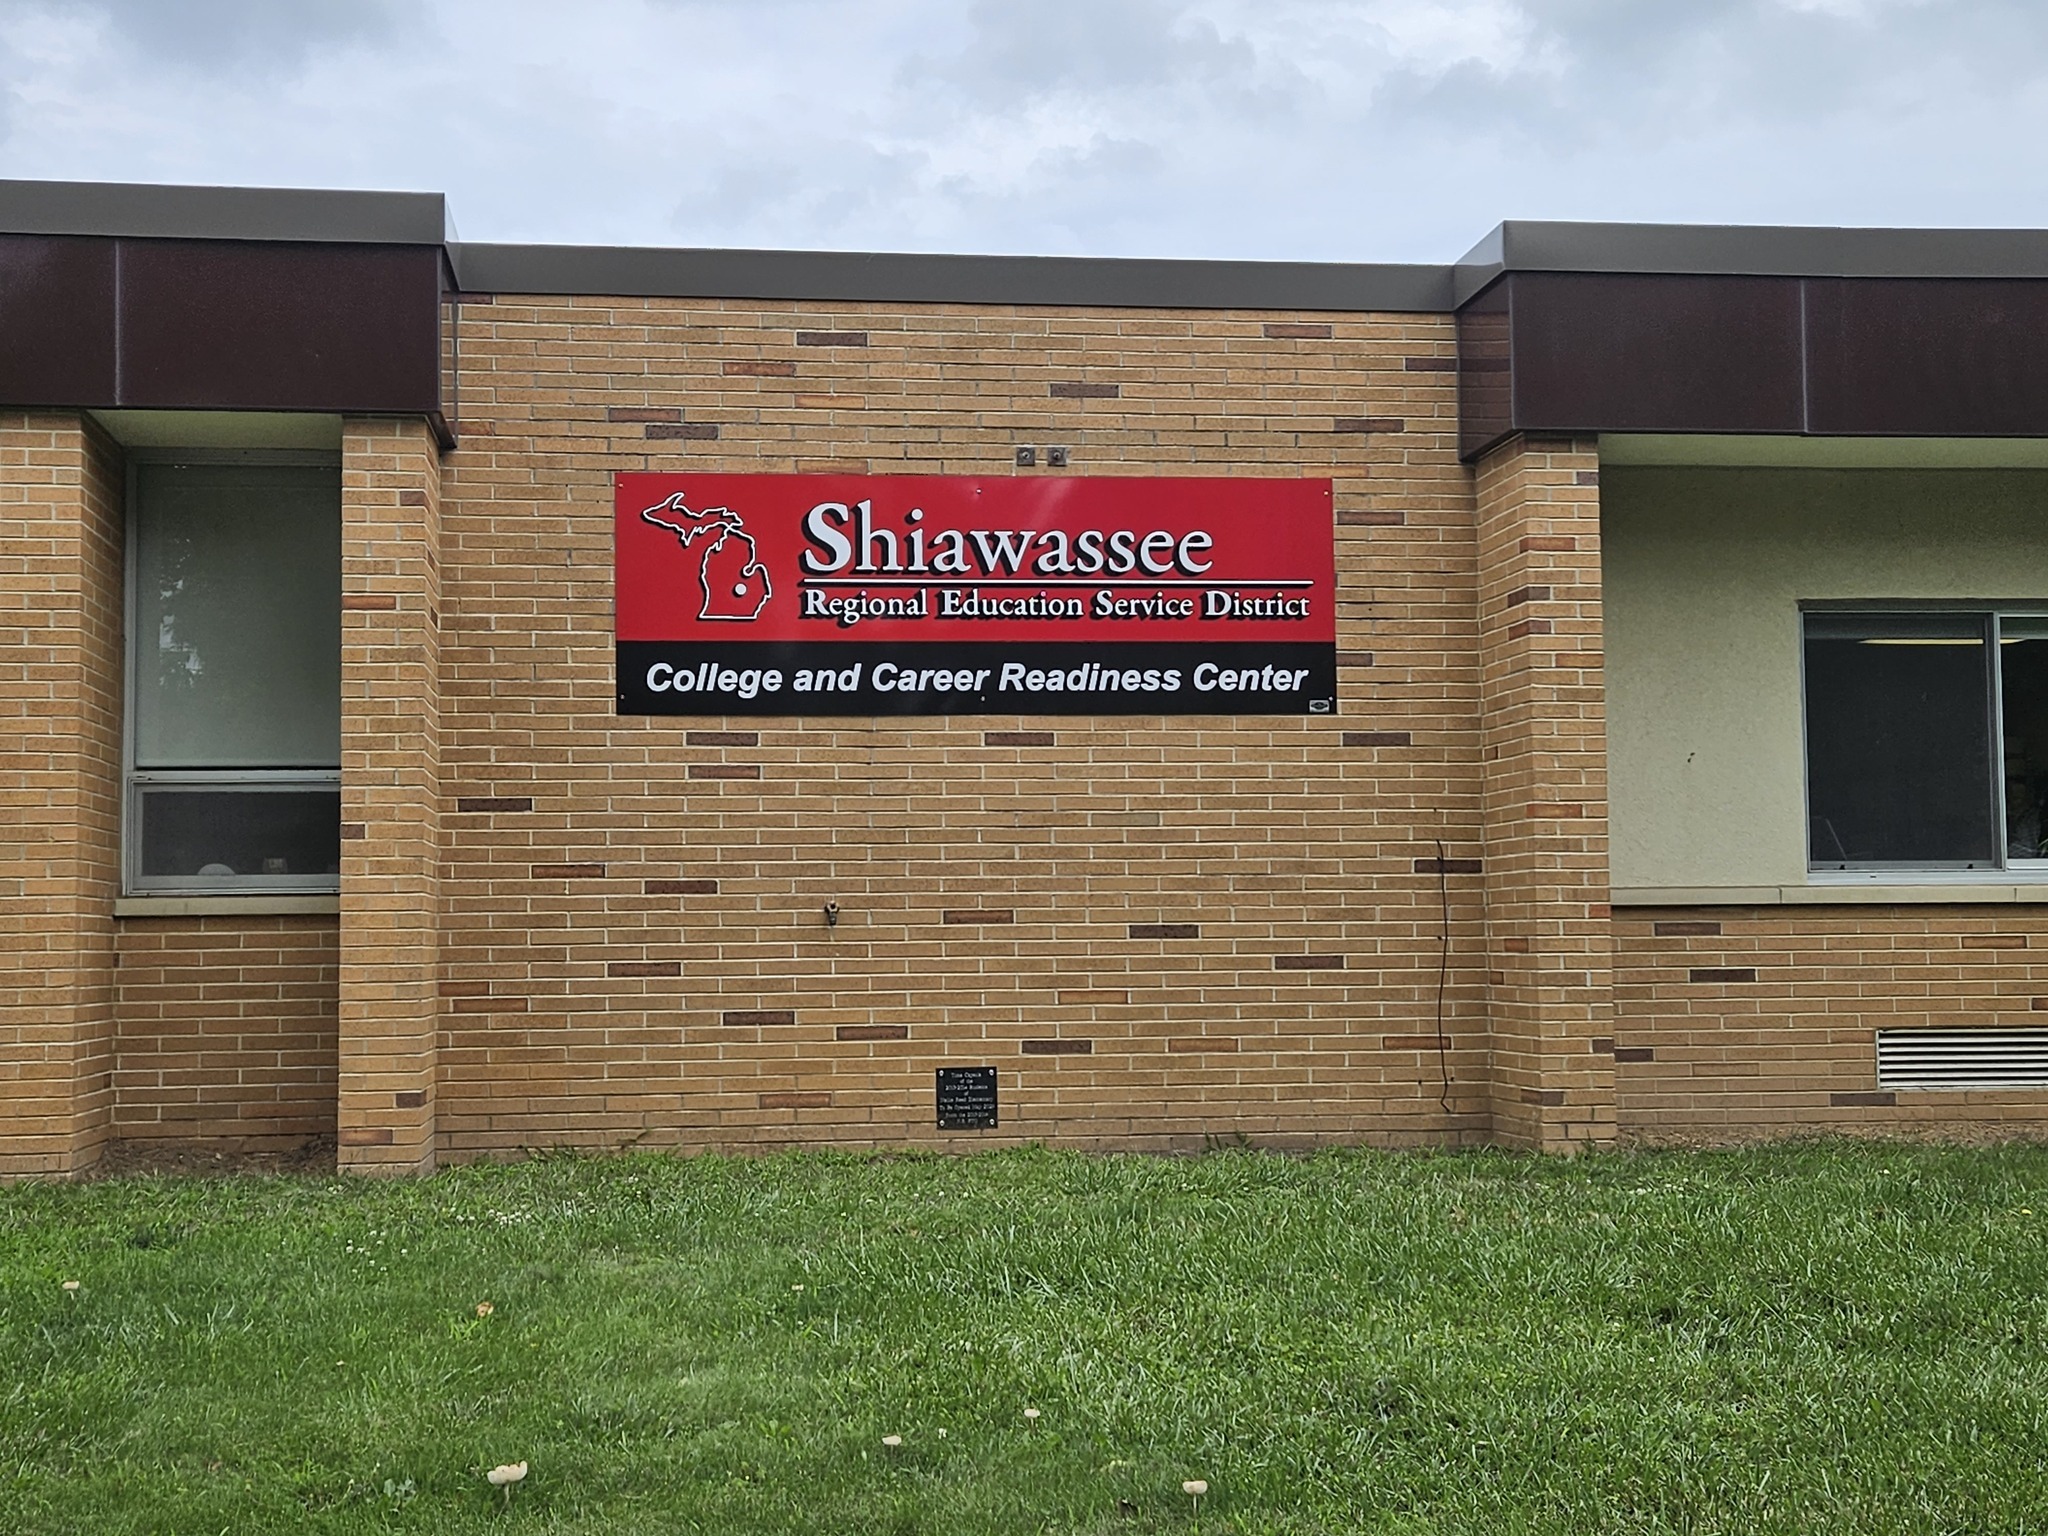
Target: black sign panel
column 967, row 1098
column 666, row 677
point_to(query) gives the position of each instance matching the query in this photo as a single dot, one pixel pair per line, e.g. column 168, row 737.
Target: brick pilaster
column 390, row 795
column 1544, row 792
column 61, row 494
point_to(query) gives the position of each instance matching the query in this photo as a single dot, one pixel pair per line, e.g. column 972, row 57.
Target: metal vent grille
column 1962, row 1058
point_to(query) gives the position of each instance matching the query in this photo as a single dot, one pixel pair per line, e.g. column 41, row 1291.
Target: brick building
column 1684, row 778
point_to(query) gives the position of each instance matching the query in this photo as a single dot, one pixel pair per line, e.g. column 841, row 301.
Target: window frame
column 2004, row 868
column 136, row 781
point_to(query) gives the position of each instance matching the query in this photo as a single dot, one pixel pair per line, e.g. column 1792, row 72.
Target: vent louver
column 1962, row 1058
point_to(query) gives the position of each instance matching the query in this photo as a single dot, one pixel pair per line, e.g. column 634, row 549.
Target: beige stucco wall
column 1704, row 573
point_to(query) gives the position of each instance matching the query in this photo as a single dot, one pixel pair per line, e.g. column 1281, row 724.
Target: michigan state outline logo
column 730, row 571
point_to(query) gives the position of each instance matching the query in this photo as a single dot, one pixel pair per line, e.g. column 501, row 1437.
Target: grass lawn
column 1814, row 1338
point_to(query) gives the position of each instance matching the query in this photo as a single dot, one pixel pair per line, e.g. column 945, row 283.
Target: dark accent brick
column 1291, row 330
column 1375, row 738
column 831, row 338
column 680, row 887
column 1635, row 1053
column 872, row 1032
column 1017, row 738
column 1863, row 1100
column 760, row 369
column 722, row 738
column 796, row 1100
column 412, row 498
column 1354, row 658
column 353, row 832
column 749, row 1018
column 1723, row 973
column 1448, row 867
column 1058, row 1047
column 369, row 602
column 1548, row 543
column 1166, row 930
column 1586, row 477
column 644, row 968
column 1601, row 1045
column 1360, row 517
column 1549, row 1096
column 692, row 431
column 966, row 915
column 473, row 298
column 1078, row 389
column 567, row 871
column 2039, row 1005
column 1308, row 962
column 643, row 413
column 486, row 803
column 413, row 1099
column 464, row 989
column 725, row 770
column 1523, row 627
column 1415, row 1043
column 1368, row 424
column 1522, row 595
column 1430, row 364
column 488, row 1005
column 1688, row 928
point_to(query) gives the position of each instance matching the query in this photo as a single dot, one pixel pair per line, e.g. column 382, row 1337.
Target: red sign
column 971, row 586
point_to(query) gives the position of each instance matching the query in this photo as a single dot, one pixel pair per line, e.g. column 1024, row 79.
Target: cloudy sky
column 1369, row 130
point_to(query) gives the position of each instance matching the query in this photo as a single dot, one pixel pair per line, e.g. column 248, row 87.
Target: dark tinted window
column 218, row 834
column 2023, row 690
column 1898, row 740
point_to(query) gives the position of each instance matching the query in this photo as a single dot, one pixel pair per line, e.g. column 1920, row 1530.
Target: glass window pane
column 237, row 616
column 2023, row 679
column 231, row 834
column 1898, row 740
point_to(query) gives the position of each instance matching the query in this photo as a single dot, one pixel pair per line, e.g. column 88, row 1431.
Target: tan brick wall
column 61, row 498
column 1550, row 993
column 1739, row 1023
column 634, row 949
column 225, row 1028
column 391, row 797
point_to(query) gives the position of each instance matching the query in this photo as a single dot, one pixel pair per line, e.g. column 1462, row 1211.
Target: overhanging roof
column 147, row 211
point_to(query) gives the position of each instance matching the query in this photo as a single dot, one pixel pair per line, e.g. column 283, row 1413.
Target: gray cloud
column 1017, row 52
column 220, row 34
column 1359, row 129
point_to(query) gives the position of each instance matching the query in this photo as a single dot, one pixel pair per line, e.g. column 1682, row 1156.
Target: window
column 1926, row 740
column 234, row 678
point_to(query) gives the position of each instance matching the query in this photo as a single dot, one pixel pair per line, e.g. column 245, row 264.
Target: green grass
column 1812, row 1338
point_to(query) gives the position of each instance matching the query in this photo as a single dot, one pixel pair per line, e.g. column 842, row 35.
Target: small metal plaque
column 967, row 1098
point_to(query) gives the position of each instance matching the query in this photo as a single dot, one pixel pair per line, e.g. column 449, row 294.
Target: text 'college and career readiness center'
column 941, row 594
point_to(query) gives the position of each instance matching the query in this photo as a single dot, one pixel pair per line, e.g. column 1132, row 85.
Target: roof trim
column 1749, row 250
column 876, row 277
column 139, row 211
column 145, row 211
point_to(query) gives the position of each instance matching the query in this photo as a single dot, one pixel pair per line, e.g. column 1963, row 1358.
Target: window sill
column 244, row 904
column 1843, row 894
